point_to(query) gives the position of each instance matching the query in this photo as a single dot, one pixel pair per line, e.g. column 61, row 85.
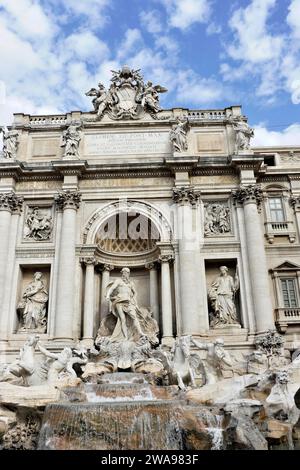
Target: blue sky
column 208, row 53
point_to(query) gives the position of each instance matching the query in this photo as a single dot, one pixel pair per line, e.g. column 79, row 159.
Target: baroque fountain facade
column 149, row 279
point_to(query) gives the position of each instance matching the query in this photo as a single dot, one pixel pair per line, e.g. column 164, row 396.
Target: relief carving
column 38, row 224
column 217, row 219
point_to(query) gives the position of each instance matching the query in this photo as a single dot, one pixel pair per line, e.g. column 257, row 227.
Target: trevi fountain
column 149, row 279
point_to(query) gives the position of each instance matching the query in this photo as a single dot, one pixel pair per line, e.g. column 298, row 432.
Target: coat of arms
column 128, row 97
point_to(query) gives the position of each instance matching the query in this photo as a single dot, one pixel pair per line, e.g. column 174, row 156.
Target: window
column 289, row 293
column 276, row 209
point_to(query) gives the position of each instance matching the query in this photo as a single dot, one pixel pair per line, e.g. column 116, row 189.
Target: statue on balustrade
column 178, row 135
column 33, row 307
column 222, row 299
column 10, row 143
column 70, row 141
column 244, row 133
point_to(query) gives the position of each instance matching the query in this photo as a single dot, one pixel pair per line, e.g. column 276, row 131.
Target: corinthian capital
column 10, row 202
column 247, row 194
column 186, row 195
column 68, row 200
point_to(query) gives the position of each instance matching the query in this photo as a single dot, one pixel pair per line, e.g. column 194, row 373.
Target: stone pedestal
column 68, row 202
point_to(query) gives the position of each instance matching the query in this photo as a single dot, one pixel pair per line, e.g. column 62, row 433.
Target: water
column 123, row 411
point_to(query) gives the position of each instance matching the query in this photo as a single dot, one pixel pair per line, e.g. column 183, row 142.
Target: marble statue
column 33, row 307
column 10, row 143
column 61, row 366
column 122, row 298
column 217, row 219
column 128, row 97
column 178, row 135
column 217, row 360
column 244, row 133
column 128, row 333
column 25, row 366
column 38, row 226
column 280, row 404
column 180, row 364
column 150, row 97
column 71, row 138
column 221, row 295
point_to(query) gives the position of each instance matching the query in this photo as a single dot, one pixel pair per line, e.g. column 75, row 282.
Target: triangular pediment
column 287, row 265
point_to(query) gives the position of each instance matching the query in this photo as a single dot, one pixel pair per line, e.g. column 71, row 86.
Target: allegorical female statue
column 221, row 295
column 33, row 307
column 70, row 141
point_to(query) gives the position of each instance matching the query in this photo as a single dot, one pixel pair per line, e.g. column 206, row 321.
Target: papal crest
column 128, row 97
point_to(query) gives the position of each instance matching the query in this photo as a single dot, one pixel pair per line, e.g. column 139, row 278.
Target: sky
column 210, row 54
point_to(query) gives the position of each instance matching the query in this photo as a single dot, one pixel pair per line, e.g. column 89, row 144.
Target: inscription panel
column 125, row 143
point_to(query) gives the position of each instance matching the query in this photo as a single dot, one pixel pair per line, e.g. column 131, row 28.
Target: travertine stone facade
column 210, row 201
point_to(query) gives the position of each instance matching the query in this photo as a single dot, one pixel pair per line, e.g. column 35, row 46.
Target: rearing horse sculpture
column 182, row 364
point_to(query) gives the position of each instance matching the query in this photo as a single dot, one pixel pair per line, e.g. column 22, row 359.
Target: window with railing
column 276, row 209
column 289, row 293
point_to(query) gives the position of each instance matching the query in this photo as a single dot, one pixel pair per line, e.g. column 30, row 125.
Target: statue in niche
column 244, row 133
column 38, row 225
column 70, row 141
column 128, row 333
column 10, row 143
column 217, row 219
column 127, row 320
column 217, row 361
column 222, row 295
column 33, row 307
column 178, row 135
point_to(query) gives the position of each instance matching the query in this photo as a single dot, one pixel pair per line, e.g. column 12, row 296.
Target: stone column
column 9, row 203
column 154, row 300
column 251, row 196
column 193, row 321
column 69, row 202
column 105, row 280
column 89, row 300
column 166, row 299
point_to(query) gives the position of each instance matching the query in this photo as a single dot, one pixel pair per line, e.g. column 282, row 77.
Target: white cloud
column 94, row 10
column 253, row 42
column 267, row 138
column 27, row 19
column 198, row 90
column 151, row 21
column 85, row 45
column 132, row 41
column 184, row 13
column 293, row 18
